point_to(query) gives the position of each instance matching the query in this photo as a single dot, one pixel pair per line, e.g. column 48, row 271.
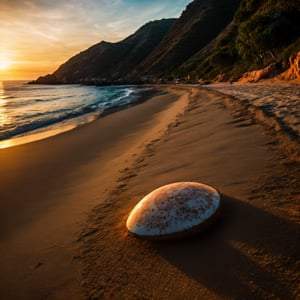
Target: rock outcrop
column 268, row 72
column 293, row 72
column 275, row 71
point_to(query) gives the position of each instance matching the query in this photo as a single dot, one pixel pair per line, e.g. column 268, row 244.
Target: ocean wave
column 71, row 104
column 44, row 122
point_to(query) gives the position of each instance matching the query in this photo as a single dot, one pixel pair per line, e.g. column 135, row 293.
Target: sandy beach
column 65, row 201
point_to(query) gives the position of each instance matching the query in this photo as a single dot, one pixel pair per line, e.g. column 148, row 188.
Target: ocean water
column 32, row 112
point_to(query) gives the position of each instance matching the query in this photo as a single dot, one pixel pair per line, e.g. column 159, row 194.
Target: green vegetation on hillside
column 262, row 32
column 269, row 28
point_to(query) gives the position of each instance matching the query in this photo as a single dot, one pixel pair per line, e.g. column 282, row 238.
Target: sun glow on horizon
column 18, row 65
column 5, row 62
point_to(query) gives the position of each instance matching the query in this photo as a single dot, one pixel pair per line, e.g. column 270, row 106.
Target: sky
column 39, row 35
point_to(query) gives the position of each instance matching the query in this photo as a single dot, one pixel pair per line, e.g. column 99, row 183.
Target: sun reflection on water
column 6, row 144
column 3, row 116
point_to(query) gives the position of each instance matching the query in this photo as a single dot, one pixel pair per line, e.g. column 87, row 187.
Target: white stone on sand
column 174, row 210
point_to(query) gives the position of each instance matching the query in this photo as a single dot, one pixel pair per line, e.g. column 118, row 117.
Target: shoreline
column 260, row 112
column 65, row 126
column 75, row 190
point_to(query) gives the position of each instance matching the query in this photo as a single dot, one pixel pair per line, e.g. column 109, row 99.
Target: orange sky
column 39, row 35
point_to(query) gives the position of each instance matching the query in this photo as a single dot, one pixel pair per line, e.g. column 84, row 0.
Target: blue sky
column 39, row 35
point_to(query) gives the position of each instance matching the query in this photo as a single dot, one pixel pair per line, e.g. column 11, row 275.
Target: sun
column 4, row 63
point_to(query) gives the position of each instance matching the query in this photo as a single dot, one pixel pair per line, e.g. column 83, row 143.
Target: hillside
column 110, row 62
column 212, row 40
column 201, row 22
column 261, row 33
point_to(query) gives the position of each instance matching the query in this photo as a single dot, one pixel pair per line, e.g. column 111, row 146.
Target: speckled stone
column 174, row 210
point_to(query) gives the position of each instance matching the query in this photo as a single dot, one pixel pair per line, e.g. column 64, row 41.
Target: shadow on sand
column 248, row 254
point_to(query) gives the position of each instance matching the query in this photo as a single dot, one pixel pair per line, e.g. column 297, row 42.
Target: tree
column 270, row 28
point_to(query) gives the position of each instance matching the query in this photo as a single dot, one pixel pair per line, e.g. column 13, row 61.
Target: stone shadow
column 248, row 254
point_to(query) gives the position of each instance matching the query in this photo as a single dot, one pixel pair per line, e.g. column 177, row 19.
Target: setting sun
column 4, row 63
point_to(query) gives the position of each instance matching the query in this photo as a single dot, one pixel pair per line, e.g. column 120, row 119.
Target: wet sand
column 65, row 200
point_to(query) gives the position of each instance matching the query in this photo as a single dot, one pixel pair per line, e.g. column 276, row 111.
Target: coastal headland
column 65, row 201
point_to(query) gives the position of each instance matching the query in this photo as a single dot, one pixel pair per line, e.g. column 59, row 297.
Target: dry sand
column 65, row 200
column 276, row 99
